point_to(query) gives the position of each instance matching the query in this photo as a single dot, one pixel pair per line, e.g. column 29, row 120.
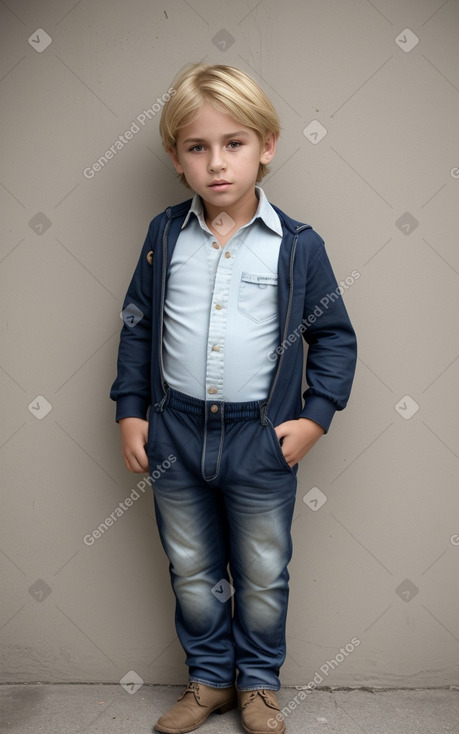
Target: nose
column 216, row 160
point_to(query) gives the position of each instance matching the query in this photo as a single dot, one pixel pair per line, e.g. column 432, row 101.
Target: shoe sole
column 252, row 731
column 217, row 710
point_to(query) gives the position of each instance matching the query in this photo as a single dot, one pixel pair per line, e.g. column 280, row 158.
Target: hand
column 299, row 436
column 134, row 436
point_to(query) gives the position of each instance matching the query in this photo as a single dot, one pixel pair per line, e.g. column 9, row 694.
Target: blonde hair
column 226, row 88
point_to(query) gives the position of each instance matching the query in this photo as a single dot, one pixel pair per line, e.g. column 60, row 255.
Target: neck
column 241, row 212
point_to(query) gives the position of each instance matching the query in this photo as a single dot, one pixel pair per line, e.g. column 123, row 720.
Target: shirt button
column 218, row 307
column 215, row 245
column 214, row 408
column 212, row 390
column 215, row 348
column 227, row 254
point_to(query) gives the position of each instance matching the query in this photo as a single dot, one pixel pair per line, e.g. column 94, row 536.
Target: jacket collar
column 265, row 212
column 291, row 225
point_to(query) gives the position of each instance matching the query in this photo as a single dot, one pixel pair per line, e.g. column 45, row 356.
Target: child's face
column 220, row 158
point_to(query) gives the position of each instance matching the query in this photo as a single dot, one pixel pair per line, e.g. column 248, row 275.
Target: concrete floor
column 109, row 709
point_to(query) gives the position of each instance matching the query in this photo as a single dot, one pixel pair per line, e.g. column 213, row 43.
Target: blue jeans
column 226, row 502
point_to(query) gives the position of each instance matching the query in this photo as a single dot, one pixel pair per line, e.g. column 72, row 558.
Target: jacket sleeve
column 332, row 344
column 132, row 387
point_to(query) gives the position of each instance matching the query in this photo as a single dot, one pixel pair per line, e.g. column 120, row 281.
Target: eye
column 234, row 145
column 197, row 148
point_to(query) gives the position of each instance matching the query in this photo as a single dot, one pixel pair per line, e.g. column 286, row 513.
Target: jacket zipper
column 163, row 298
column 264, row 409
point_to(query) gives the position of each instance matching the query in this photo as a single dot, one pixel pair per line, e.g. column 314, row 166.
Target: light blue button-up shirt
column 221, row 310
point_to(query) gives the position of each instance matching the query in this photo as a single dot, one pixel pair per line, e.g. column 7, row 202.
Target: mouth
column 219, row 185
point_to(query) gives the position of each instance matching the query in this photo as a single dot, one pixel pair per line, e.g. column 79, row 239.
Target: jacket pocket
column 258, row 296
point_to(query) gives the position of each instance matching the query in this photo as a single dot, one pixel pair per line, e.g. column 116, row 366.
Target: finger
column 280, row 431
column 290, row 458
column 128, row 463
column 291, row 451
column 137, row 464
column 142, row 460
column 143, row 463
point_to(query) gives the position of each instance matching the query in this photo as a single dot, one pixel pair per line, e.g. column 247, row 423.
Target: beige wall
column 378, row 560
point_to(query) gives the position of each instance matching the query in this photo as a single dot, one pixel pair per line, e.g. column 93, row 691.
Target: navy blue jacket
column 310, row 309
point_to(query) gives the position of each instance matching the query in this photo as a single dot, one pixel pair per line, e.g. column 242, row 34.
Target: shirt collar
column 265, row 212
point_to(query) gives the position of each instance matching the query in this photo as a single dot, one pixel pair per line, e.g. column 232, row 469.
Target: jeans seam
column 195, row 679
column 259, row 688
column 219, row 452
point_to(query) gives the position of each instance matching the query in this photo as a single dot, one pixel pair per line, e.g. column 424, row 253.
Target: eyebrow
column 237, row 134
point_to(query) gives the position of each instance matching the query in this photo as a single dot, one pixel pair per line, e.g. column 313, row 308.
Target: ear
column 173, row 154
column 268, row 150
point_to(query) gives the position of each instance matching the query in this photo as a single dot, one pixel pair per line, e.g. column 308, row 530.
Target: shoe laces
column 264, row 695
column 192, row 687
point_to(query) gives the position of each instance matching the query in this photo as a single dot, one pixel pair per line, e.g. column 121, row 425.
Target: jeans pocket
column 278, row 449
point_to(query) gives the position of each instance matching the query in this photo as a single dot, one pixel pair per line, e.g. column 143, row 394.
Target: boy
column 224, row 292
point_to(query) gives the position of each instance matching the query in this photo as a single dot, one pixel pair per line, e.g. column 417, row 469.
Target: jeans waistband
column 217, row 409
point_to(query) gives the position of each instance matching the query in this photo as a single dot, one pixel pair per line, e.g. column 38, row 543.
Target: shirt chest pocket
column 258, row 296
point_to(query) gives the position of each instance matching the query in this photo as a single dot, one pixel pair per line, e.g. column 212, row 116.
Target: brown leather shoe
column 194, row 706
column 260, row 711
